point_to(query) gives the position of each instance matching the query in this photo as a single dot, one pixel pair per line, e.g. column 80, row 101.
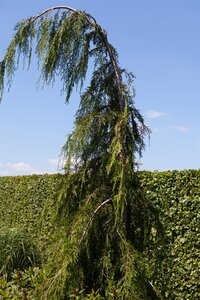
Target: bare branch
column 33, row 19
column 91, row 219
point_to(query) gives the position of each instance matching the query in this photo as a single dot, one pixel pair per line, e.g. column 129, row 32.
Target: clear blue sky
column 158, row 40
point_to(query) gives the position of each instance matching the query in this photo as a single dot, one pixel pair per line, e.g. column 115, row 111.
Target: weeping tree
column 101, row 219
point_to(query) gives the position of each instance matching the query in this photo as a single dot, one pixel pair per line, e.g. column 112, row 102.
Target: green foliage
column 21, row 286
column 176, row 196
column 101, row 227
column 172, row 261
column 17, row 250
column 29, row 195
column 108, row 133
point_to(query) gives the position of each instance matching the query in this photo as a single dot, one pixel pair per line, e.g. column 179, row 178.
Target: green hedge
column 176, row 196
column 23, row 199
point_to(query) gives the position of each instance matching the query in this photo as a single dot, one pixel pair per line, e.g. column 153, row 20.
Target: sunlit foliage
column 91, row 249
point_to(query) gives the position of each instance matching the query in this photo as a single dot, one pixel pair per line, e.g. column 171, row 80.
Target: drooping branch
column 91, row 20
column 116, row 70
column 33, row 19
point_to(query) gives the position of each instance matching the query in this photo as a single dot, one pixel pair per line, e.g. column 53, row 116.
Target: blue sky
column 158, row 40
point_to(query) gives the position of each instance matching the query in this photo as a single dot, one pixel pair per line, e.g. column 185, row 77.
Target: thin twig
column 91, row 219
column 52, row 282
column 155, row 291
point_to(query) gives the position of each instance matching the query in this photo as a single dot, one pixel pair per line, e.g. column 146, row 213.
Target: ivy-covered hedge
column 176, row 196
column 22, row 202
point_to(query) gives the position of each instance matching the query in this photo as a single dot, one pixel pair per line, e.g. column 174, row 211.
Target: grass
column 18, row 251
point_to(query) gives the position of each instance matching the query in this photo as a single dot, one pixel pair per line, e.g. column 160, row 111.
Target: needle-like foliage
column 92, row 246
